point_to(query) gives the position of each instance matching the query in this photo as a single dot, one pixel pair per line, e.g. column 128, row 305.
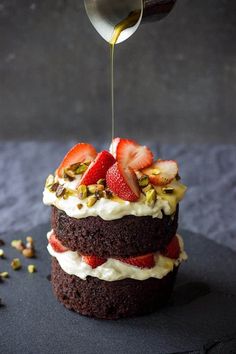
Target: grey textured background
column 175, row 80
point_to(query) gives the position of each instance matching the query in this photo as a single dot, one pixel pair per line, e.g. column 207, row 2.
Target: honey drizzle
column 128, row 22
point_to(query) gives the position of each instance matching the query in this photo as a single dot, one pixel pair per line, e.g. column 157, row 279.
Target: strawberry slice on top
column 78, row 154
column 93, row 261
column 162, row 172
column 123, row 182
column 173, row 249
column 56, row 244
column 131, row 154
column 98, row 168
column 113, row 146
column 145, row 261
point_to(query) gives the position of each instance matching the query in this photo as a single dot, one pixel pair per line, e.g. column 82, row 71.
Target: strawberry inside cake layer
column 154, row 265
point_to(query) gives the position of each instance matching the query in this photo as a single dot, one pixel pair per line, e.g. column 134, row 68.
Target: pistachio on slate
column 16, row 264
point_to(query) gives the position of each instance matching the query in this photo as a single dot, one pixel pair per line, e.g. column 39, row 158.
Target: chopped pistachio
column 29, row 242
column 49, row 181
column 168, row 190
column 16, row 264
column 100, row 187
column 108, row 194
column 69, row 174
column 68, row 193
column 29, row 239
column 98, row 194
column 147, row 188
column 87, row 162
column 82, row 190
column 74, row 166
column 91, row 201
column 156, row 171
column 143, row 181
column 1, row 253
column 81, row 169
column 28, row 252
column 31, row 268
column 151, row 197
column 79, row 206
column 60, row 191
column 18, row 244
column 92, row 188
column 4, row 275
column 102, row 182
column 54, row 187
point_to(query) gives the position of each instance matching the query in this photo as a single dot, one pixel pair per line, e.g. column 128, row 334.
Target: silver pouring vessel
column 106, row 14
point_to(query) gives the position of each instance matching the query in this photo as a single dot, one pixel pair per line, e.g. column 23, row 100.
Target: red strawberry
column 93, row 261
column 98, row 168
column 173, row 249
column 123, row 182
column 145, row 261
column 56, row 244
column 113, row 146
column 131, row 154
column 79, row 153
column 162, row 172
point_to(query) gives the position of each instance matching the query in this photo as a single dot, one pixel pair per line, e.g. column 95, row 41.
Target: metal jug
column 106, row 14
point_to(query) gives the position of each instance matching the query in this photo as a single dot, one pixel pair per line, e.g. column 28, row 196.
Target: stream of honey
column 128, row 22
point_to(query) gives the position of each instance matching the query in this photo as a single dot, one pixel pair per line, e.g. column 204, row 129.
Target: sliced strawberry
column 123, row 182
column 113, row 146
column 162, row 172
column 56, row 244
column 98, row 168
column 145, row 261
column 131, row 154
column 93, row 261
column 173, row 249
column 79, row 153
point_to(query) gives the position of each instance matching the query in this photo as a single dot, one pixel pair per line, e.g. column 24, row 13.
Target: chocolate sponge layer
column 110, row 300
column 125, row 237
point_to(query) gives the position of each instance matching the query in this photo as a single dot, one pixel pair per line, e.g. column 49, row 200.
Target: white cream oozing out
column 107, row 209
column 113, row 269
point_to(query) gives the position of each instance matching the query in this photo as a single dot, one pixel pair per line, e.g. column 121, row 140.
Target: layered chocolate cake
column 114, row 243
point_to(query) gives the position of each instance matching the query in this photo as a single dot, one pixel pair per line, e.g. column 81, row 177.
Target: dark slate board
column 200, row 318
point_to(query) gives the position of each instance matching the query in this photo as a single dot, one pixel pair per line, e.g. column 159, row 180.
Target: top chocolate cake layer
column 125, row 237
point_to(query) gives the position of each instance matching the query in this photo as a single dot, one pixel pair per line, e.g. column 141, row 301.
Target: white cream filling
column 107, row 209
column 113, row 269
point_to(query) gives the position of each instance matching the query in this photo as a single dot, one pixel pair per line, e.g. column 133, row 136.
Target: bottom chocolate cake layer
column 110, row 300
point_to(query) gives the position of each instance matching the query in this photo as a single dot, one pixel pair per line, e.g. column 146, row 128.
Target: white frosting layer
column 107, row 209
column 112, row 269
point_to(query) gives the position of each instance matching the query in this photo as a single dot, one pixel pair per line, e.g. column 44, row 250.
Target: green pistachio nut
column 81, row 169
column 147, row 188
column 92, row 188
column 151, row 197
column 49, row 181
column 91, row 201
column 82, row 192
column 143, row 181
